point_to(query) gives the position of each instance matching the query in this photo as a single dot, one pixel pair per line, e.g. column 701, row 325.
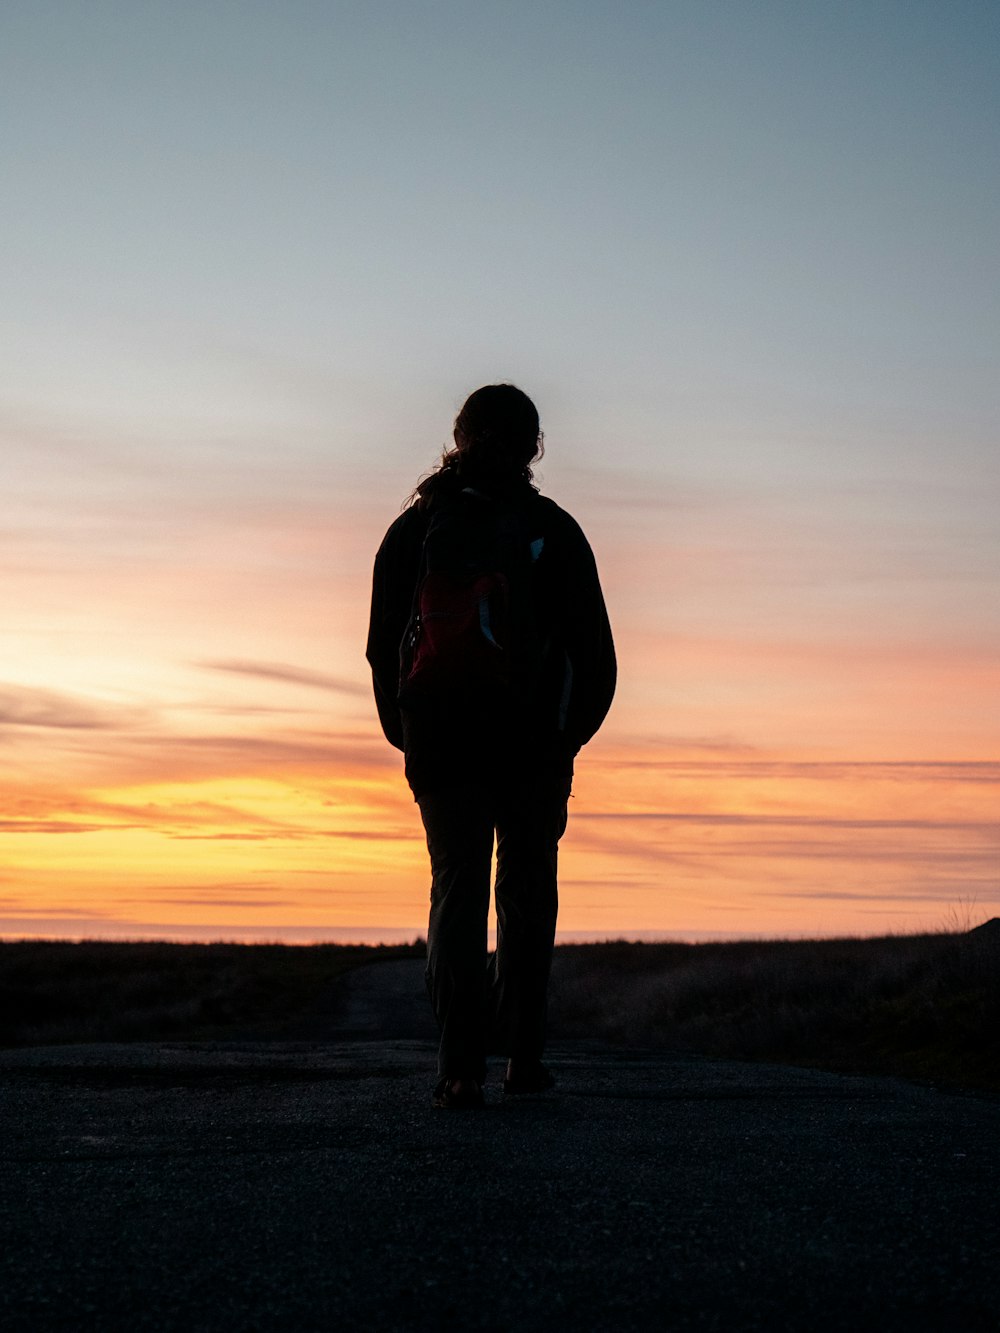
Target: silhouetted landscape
column 917, row 1006
column 920, row 1006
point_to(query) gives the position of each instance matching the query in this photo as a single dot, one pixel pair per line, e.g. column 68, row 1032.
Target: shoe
column 446, row 1098
column 530, row 1076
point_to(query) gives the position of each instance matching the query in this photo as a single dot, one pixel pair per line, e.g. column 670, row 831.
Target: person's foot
column 458, row 1094
column 524, row 1076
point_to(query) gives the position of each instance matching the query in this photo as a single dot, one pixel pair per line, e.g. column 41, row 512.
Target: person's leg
column 530, row 822
column 459, row 828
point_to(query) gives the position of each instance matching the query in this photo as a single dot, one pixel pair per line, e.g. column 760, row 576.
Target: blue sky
column 691, row 213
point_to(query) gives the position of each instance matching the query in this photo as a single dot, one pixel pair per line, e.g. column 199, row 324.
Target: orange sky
column 191, row 750
column 747, row 269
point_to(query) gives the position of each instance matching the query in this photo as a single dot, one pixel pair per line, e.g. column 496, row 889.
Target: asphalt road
column 310, row 1184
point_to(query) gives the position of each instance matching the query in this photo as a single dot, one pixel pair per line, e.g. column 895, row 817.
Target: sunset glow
column 762, row 338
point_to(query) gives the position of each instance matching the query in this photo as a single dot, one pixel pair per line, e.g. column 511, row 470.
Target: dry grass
column 920, row 1006
column 52, row 991
column 925, row 1006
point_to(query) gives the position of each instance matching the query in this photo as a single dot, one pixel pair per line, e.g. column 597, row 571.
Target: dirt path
column 386, row 999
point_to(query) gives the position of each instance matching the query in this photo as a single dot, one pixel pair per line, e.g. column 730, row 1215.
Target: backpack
column 472, row 638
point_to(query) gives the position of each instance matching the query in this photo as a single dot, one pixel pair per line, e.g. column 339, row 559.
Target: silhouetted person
column 493, row 663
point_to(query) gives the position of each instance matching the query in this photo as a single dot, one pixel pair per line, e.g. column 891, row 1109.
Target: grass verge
column 53, row 992
column 918, row 1006
column 921, row 1006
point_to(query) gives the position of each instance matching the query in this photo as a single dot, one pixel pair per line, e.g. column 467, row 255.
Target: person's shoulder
column 411, row 517
column 405, row 528
column 552, row 510
column 560, row 522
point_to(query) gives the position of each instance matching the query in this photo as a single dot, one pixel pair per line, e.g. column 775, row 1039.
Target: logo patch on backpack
column 471, row 634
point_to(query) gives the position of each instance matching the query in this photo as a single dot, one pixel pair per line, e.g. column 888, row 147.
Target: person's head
column 497, row 432
column 497, row 438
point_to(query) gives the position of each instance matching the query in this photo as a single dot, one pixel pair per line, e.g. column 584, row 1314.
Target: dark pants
column 500, row 1006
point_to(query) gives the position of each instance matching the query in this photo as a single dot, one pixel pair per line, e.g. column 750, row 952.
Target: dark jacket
column 540, row 736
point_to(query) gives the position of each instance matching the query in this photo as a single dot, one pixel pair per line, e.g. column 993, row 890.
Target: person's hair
column 497, row 435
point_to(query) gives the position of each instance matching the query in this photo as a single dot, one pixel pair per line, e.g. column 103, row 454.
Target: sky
column 743, row 257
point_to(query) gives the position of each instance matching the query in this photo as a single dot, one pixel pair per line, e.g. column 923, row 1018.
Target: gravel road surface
column 310, row 1185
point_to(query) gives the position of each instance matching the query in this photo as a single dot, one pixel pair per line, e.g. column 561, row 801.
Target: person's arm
column 393, row 581
column 595, row 650
column 588, row 638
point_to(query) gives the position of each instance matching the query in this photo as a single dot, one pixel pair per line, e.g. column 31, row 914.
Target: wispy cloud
column 933, row 893
column 57, row 826
column 790, row 821
column 260, row 755
column 733, row 758
column 177, row 820
column 289, row 675
column 141, row 756
column 26, row 706
column 293, row 810
column 199, row 900
column 224, row 888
